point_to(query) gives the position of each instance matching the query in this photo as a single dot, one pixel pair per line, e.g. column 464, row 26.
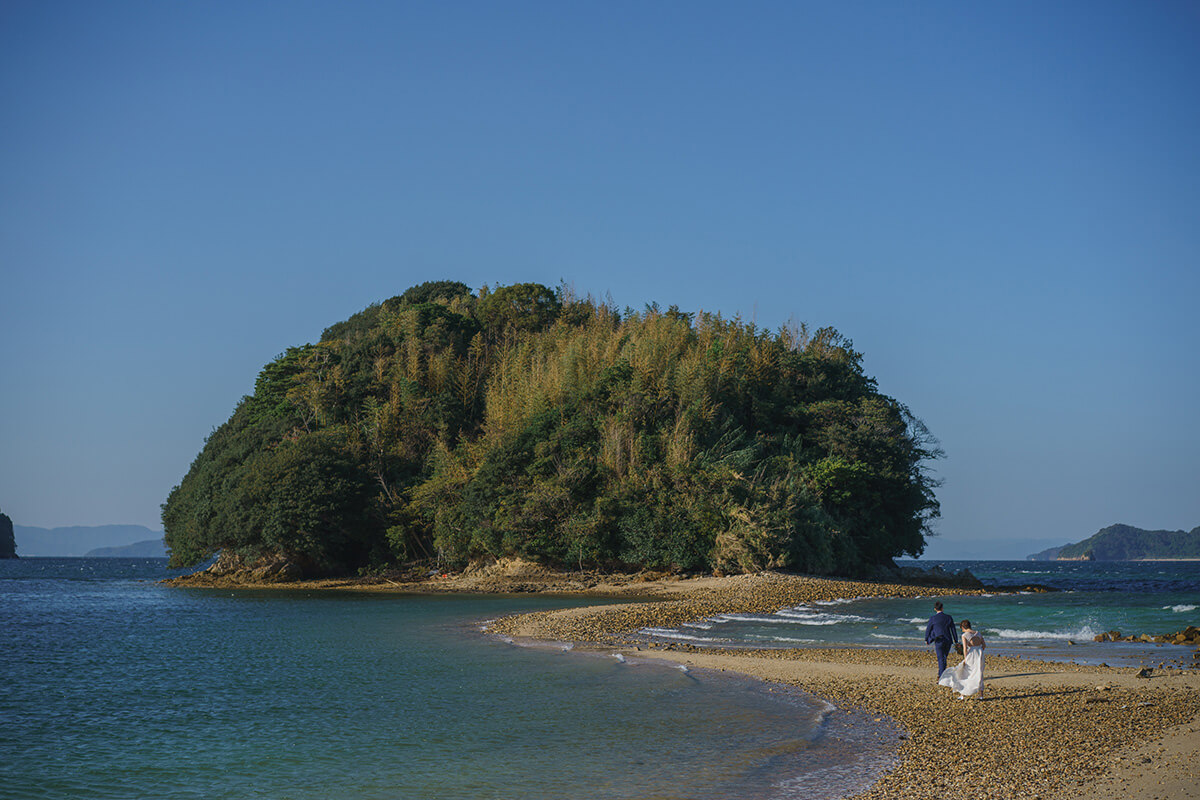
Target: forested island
column 1127, row 543
column 442, row 426
column 8, row 543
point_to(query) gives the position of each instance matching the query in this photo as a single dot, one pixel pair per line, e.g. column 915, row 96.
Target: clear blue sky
column 999, row 204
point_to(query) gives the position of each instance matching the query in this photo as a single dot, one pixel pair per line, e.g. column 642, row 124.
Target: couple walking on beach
column 967, row 677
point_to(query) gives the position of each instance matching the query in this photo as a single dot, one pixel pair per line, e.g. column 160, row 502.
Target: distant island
column 1127, row 543
column 150, row 548
column 8, row 544
column 77, row 541
column 446, row 426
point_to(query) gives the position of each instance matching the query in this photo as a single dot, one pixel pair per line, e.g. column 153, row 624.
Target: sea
column 1089, row 598
column 113, row 685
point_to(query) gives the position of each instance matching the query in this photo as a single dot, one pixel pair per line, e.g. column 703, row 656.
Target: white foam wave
column 670, row 633
column 839, row 602
column 704, row 626
column 889, row 636
column 797, row 613
column 1086, row 632
column 797, row 618
column 913, row 620
column 790, row 621
column 1180, row 609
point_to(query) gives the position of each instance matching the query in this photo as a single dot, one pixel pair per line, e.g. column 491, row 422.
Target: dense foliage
column 8, row 542
column 1127, row 543
column 443, row 426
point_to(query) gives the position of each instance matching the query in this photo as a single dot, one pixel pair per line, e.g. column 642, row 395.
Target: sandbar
column 1042, row 731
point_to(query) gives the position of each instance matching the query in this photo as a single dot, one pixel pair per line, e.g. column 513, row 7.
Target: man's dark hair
column 937, row 606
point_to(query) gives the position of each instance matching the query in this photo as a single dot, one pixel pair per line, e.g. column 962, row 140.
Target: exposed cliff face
column 8, row 543
column 231, row 569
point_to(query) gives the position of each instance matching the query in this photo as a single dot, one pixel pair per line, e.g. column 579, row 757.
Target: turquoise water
column 117, row 687
column 1132, row 597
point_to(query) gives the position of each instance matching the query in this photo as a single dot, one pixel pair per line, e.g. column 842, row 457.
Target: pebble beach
column 1042, row 731
column 1047, row 730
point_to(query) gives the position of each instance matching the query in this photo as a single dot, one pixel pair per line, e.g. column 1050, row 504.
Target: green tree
column 444, row 426
column 520, row 307
column 8, row 542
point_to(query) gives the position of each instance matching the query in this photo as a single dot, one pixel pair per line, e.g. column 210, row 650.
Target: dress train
column 967, row 677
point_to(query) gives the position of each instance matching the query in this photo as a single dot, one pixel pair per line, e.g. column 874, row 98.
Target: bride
column 967, row 677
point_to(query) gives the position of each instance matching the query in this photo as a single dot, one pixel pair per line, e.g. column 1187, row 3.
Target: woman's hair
column 966, row 623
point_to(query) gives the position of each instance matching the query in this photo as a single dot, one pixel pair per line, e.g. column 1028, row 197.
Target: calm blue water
column 1132, row 597
column 117, row 687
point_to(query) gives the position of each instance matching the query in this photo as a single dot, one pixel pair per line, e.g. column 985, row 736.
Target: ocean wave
column 1180, row 609
column 889, row 636
column 1086, row 632
column 800, row 612
column 819, row 618
column 913, row 620
column 813, row 620
column 841, row 601
column 670, row 633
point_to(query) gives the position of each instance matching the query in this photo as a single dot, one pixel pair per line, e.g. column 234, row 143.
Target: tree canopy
column 444, row 425
column 8, row 542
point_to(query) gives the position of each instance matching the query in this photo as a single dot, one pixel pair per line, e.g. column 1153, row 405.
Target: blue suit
column 942, row 633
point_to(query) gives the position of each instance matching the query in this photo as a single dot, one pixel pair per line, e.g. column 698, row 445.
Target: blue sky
column 999, row 205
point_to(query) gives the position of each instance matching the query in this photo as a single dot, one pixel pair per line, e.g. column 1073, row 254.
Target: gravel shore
column 1043, row 730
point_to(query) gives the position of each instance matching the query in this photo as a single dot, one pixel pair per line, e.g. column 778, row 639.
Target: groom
column 942, row 633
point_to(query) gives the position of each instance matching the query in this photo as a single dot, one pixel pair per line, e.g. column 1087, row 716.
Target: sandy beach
column 1044, row 730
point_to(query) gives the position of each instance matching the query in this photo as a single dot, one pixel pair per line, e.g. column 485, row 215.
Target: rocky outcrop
column 1189, row 636
column 234, row 570
column 1017, row 588
column 931, row 576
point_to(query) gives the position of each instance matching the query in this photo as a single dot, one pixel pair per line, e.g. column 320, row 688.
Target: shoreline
column 1048, row 730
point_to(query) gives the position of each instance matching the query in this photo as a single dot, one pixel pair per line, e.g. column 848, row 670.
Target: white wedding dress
column 967, row 677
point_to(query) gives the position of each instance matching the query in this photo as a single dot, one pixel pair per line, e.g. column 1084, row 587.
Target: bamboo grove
column 442, row 426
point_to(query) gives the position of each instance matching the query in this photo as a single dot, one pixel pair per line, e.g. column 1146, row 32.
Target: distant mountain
column 78, row 540
column 151, row 548
column 1127, row 543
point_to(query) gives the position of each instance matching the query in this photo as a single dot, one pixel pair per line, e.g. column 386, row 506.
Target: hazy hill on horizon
column 78, row 540
column 150, row 548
